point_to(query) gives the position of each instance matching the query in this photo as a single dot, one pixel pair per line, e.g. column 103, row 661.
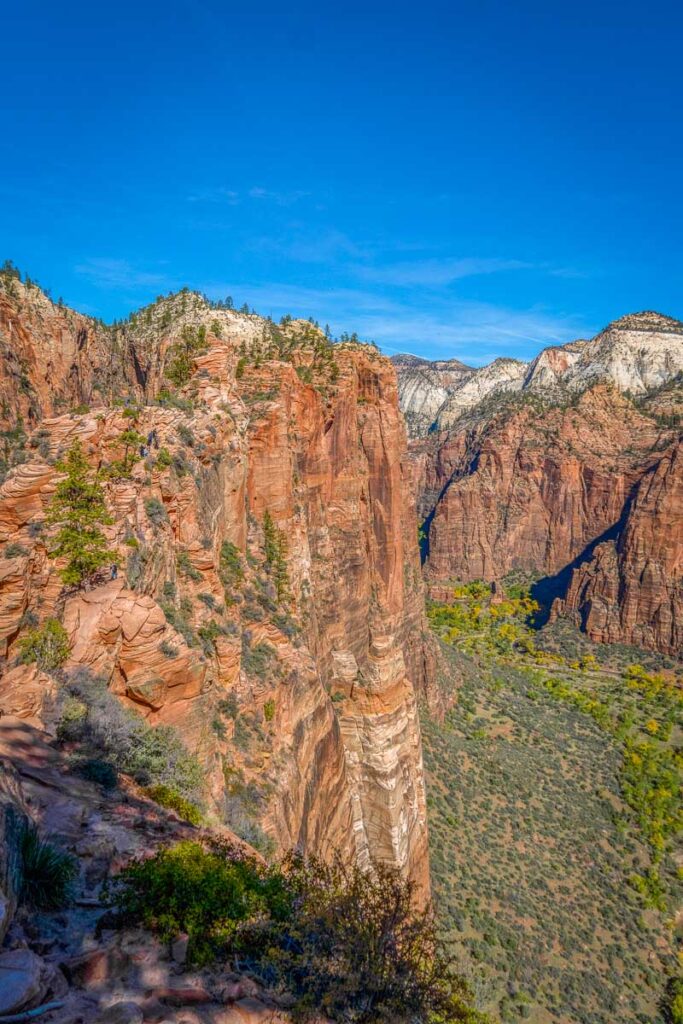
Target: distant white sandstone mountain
column 637, row 353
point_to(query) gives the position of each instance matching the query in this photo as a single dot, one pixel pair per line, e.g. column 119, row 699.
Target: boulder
column 24, row 980
column 121, row 1013
column 13, row 819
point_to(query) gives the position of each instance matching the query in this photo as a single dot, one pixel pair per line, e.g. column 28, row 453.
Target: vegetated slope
column 551, row 477
column 268, row 602
column 554, row 809
column 114, row 909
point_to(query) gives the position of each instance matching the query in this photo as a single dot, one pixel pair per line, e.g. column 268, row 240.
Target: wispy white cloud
column 436, row 273
column 326, row 247
column 226, row 196
column 231, row 197
column 117, row 274
column 280, row 198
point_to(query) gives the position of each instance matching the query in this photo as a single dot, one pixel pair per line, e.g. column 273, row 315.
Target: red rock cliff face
column 530, row 491
column 325, row 740
column 632, row 589
column 535, row 488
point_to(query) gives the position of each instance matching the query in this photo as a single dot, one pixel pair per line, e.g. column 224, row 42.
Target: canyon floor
column 538, row 811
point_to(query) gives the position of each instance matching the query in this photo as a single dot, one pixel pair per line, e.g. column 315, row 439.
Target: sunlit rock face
column 424, row 386
column 547, row 473
column 631, row 590
column 322, row 734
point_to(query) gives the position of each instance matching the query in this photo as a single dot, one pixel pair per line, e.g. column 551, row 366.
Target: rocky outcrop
column 546, row 473
column 631, row 590
column 636, row 354
column 322, row 675
column 424, row 386
column 61, row 963
column 528, row 492
column 501, row 376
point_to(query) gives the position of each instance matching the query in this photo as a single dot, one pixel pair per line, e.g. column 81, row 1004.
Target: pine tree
column 275, row 544
column 270, row 538
column 79, row 509
column 280, row 569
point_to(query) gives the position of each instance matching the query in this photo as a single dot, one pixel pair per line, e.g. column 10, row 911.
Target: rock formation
column 549, row 473
column 632, row 588
column 318, row 653
column 637, row 354
column 424, row 386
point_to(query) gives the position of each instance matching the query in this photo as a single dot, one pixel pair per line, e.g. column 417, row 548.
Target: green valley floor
column 554, row 802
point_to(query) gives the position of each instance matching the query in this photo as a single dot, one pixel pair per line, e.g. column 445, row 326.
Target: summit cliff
column 267, row 602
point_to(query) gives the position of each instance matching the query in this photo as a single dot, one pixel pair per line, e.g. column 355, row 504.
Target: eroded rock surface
column 321, row 679
column 548, row 474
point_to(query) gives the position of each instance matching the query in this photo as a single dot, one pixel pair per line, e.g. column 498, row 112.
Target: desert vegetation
column 339, row 940
column 554, row 803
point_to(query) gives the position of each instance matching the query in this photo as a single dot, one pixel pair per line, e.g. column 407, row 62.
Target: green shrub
column 186, row 568
column 356, row 947
column 92, row 716
column 156, row 512
column 204, row 893
column 230, row 569
column 275, row 544
column 168, row 797
column 229, row 706
column 95, row 770
column 47, row 874
column 341, row 941
column 672, row 1004
column 186, row 435
column 164, row 459
column 160, row 755
column 47, row 646
column 269, row 710
column 15, row 550
column 256, row 660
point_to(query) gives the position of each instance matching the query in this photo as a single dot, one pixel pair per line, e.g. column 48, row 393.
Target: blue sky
column 451, row 179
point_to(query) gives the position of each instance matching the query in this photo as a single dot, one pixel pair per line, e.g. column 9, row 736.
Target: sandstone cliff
column 547, row 474
column 273, row 429
column 530, row 488
column 631, row 590
column 636, row 354
column 424, row 386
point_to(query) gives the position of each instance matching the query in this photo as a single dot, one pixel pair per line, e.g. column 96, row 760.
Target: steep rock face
column 323, row 735
column 424, row 386
column 632, row 589
column 332, row 478
column 544, row 473
column 51, row 358
column 531, row 492
column 500, row 376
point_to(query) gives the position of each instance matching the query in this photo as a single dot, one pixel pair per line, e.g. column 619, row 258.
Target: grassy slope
column 535, row 851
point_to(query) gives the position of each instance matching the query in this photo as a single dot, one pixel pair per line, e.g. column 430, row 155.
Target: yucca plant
column 47, row 873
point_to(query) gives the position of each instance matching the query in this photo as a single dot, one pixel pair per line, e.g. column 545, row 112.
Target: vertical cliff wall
column 295, row 683
column 631, row 590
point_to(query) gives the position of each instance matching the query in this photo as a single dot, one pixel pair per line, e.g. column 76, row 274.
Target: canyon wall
column 631, row 590
column 296, row 684
column 551, row 476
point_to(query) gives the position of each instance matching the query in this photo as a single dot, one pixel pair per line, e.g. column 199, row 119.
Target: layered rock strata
column 274, row 430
